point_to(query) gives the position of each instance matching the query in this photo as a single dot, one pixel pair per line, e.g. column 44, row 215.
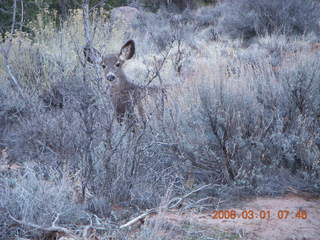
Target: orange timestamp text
column 260, row 214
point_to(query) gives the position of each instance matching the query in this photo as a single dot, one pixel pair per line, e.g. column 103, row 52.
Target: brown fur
column 124, row 94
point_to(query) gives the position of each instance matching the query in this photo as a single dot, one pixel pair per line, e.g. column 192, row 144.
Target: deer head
column 111, row 63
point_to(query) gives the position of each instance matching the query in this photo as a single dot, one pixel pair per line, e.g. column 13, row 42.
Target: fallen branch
column 139, row 218
column 155, row 211
column 44, row 229
column 179, row 200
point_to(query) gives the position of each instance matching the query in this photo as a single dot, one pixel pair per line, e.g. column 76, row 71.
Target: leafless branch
column 6, row 49
column 178, row 201
column 58, row 229
column 41, row 228
column 139, row 218
column 98, row 4
column 13, row 18
column 86, row 22
column 22, row 15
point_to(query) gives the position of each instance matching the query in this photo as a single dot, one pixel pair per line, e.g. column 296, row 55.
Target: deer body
column 124, row 94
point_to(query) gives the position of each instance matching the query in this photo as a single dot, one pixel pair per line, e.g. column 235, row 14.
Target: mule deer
column 124, row 94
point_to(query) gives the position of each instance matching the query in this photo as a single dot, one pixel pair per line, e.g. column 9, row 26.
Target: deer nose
column 111, row 77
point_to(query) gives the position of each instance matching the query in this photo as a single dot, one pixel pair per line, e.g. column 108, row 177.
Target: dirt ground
column 292, row 217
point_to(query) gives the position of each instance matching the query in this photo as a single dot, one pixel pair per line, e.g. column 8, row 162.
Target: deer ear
column 127, row 51
column 92, row 55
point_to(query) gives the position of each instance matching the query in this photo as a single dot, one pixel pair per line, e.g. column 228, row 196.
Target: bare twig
column 22, row 15
column 156, row 211
column 86, row 22
column 98, row 4
column 178, row 201
column 13, row 17
column 6, row 51
column 41, row 228
column 61, row 230
column 56, row 220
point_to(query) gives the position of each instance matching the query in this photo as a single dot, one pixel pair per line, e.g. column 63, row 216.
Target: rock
column 122, row 20
column 124, row 14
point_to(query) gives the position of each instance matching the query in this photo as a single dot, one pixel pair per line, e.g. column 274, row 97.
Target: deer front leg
column 120, row 113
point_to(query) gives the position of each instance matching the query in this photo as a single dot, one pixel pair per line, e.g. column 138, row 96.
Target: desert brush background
column 237, row 116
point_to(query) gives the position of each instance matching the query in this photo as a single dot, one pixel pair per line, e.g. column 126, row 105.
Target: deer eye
column 104, row 66
column 117, row 64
